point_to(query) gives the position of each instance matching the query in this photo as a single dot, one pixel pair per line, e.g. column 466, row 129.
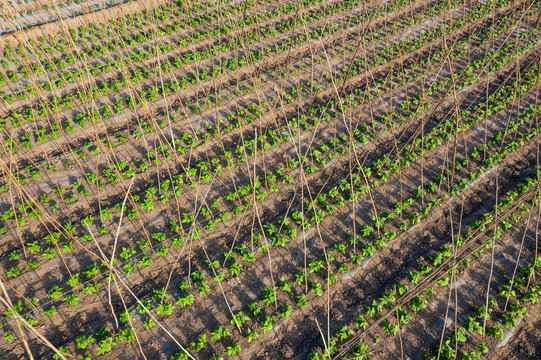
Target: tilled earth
column 290, row 206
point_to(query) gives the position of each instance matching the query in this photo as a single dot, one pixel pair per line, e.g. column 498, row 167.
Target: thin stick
column 491, row 261
column 115, row 243
column 9, row 305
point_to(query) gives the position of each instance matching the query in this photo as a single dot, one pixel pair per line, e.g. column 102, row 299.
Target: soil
column 270, row 80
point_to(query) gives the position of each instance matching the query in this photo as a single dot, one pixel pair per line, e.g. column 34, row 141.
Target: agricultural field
column 339, row 179
column 23, row 15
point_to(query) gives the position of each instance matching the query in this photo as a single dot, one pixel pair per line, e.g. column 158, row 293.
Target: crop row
column 262, row 145
column 510, row 206
column 162, row 195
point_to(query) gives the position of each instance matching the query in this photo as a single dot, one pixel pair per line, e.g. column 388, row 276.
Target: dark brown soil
column 319, row 62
